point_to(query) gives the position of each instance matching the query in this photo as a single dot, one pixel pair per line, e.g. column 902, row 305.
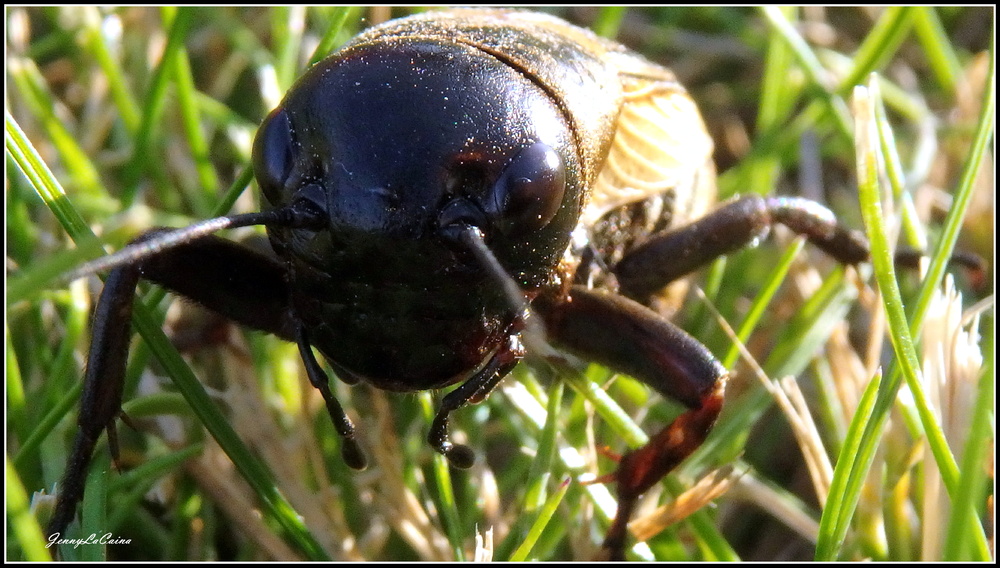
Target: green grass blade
column 538, row 476
column 252, row 469
column 94, row 511
column 952, row 225
column 16, row 400
column 99, row 49
column 234, row 192
column 962, row 542
column 541, row 521
column 445, row 489
column 763, row 299
column 43, row 181
column 879, row 46
column 134, row 483
column 204, row 196
column 287, row 24
column 812, row 67
column 22, row 524
column 777, row 98
column 34, row 90
column 341, row 15
column 941, row 56
column 882, row 259
column 156, row 99
column 845, row 489
column 609, row 19
column 846, row 492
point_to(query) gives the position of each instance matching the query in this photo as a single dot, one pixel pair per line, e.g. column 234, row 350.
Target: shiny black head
column 400, row 142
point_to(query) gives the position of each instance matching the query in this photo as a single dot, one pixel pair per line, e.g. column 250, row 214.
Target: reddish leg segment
column 631, row 338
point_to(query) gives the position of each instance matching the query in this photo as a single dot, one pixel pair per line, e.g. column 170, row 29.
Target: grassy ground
column 145, row 117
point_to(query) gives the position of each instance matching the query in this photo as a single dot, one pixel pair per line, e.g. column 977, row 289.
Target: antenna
column 300, row 215
column 534, row 330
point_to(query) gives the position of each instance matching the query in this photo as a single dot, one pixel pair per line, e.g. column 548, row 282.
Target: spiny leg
column 232, row 280
column 474, row 390
column 640, row 469
column 628, row 337
column 101, row 400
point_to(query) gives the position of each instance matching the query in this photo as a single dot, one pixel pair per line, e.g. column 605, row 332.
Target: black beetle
column 430, row 194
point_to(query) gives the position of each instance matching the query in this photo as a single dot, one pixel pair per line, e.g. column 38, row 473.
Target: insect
column 537, row 190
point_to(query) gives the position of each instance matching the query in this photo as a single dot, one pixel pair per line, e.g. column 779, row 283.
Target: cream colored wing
column 660, row 146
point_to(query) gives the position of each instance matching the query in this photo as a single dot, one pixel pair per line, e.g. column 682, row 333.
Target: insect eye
column 272, row 154
column 529, row 192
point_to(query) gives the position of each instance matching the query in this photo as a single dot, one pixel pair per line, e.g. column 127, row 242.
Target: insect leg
column 351, row 452
column 101, row 400
column 674, row 254
column 474, row 390
column 631, row 338
column 228, row 278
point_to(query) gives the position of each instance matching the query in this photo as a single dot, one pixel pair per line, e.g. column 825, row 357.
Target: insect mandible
column 548, row 159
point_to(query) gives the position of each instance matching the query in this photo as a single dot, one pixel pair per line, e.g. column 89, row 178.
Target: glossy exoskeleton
column 447, row 185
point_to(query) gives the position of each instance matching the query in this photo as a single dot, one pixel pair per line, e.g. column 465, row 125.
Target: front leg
column 474, row 390
column 228, row 278
column 630, row 338
column 101, row 400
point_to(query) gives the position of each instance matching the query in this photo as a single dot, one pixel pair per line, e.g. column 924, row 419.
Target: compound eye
column 529, row 192
column 273, row 155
